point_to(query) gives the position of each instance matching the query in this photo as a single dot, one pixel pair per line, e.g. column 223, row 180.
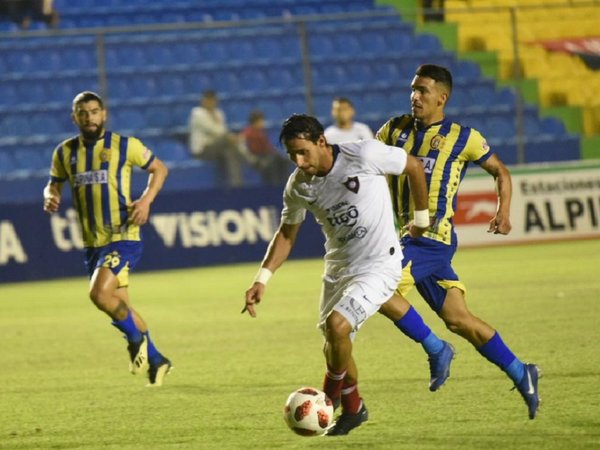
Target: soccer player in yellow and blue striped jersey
column 445, row 149
column 98, row 164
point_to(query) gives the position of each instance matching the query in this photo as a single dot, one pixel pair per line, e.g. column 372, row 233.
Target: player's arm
column 52, row 194
column 418, row 189
column 157, row 174
column 277, row 253
column 500, row 224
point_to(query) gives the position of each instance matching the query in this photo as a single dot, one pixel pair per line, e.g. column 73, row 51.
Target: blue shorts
column 120, row 257
column 427, row 264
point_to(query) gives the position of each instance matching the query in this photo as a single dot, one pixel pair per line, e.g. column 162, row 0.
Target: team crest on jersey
column 352, row 184
column 437, row 142
column 105, row 155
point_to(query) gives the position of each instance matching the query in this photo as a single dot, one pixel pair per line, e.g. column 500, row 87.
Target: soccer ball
column 308, row 411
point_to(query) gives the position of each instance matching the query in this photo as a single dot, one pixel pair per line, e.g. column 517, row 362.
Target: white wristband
column 263, row 276
column 422, row 218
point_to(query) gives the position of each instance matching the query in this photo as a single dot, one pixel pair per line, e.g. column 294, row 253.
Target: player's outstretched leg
column 490, row 345
column 408, row 320
column 341, row 380
column 158, row 364
column 103, row 288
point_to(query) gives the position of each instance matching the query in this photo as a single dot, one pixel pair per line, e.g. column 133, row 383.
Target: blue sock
column 496, row 351
column 413, row 326
column 128, row 327
column 154, row 355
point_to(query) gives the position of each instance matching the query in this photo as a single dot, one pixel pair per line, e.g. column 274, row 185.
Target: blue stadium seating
column 154, row 79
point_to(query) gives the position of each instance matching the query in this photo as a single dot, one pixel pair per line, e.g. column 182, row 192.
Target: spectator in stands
column 345, row 128
column 23, row 12
column 211, row 139
column 273, row 167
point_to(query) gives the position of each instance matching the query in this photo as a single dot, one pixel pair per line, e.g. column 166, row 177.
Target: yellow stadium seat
column 591, row 120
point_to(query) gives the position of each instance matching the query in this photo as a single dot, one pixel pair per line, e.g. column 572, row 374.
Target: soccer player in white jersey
column 345, row 128
column 344, row 187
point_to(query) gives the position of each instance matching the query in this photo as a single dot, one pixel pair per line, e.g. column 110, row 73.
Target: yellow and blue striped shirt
column 445, row 148
column 100, row 176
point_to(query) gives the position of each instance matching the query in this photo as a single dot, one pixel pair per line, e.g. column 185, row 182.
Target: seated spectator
column 273, row 167
column 23, row 12
column 210, row 139
column 345, row 128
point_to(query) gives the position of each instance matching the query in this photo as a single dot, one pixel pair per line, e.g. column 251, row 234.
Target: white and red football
column 308, row 411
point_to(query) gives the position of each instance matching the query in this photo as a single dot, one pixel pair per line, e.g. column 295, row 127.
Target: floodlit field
column 64, row 380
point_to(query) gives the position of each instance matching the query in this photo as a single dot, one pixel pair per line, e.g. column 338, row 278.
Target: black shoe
column 138, row 356
column 347, row 422
column 157, row 372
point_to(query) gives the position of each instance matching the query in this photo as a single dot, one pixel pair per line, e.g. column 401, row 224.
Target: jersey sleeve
column 477, row 148
column 138, row 154
column 383, row 134
column 58, row 173
column 384, row 159
column 293, row 211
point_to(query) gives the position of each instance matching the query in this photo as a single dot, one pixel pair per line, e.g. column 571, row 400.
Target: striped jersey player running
column 97, row 164
column 445, row 149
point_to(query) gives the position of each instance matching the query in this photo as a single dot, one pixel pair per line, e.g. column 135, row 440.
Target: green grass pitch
column 64, row 380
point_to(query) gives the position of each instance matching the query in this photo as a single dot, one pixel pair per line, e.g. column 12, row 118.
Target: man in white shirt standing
column 344, row 186
column 345, row 129
column 211, row 140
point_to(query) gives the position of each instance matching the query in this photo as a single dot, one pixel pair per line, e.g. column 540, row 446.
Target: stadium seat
column 225, row 82
column 30, row 92
column 500, row 127
column 327, row 75
column 169, row 84
column 30, row 160
column 553, row 126
column 294, row 105
column 127, row 119
column 157, row 117
column 7, row 163
column 321, row 45
column 285, row 78
column 466, row 70
column 267, row 48
column 532, row 126
column 428, row 43
column 8, row 94
column 272, row 110
column 252, row 81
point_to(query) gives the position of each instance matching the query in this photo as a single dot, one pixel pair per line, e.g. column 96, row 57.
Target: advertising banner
column 202, row 227
column 555, row 202
column 186, row 229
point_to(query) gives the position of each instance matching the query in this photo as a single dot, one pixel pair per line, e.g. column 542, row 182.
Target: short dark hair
column 301, row 126
column 438, row 73
column 344, row 100
column 87, row 96
column 255, row 116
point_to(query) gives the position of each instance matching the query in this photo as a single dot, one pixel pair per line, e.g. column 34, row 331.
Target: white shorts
column 356, row 297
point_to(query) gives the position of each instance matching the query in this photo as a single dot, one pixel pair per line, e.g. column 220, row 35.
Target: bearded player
column 345, row 188
column 445, row 149
column 97, row 164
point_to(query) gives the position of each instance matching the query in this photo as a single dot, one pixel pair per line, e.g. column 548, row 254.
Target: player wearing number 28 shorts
column 97, row 164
